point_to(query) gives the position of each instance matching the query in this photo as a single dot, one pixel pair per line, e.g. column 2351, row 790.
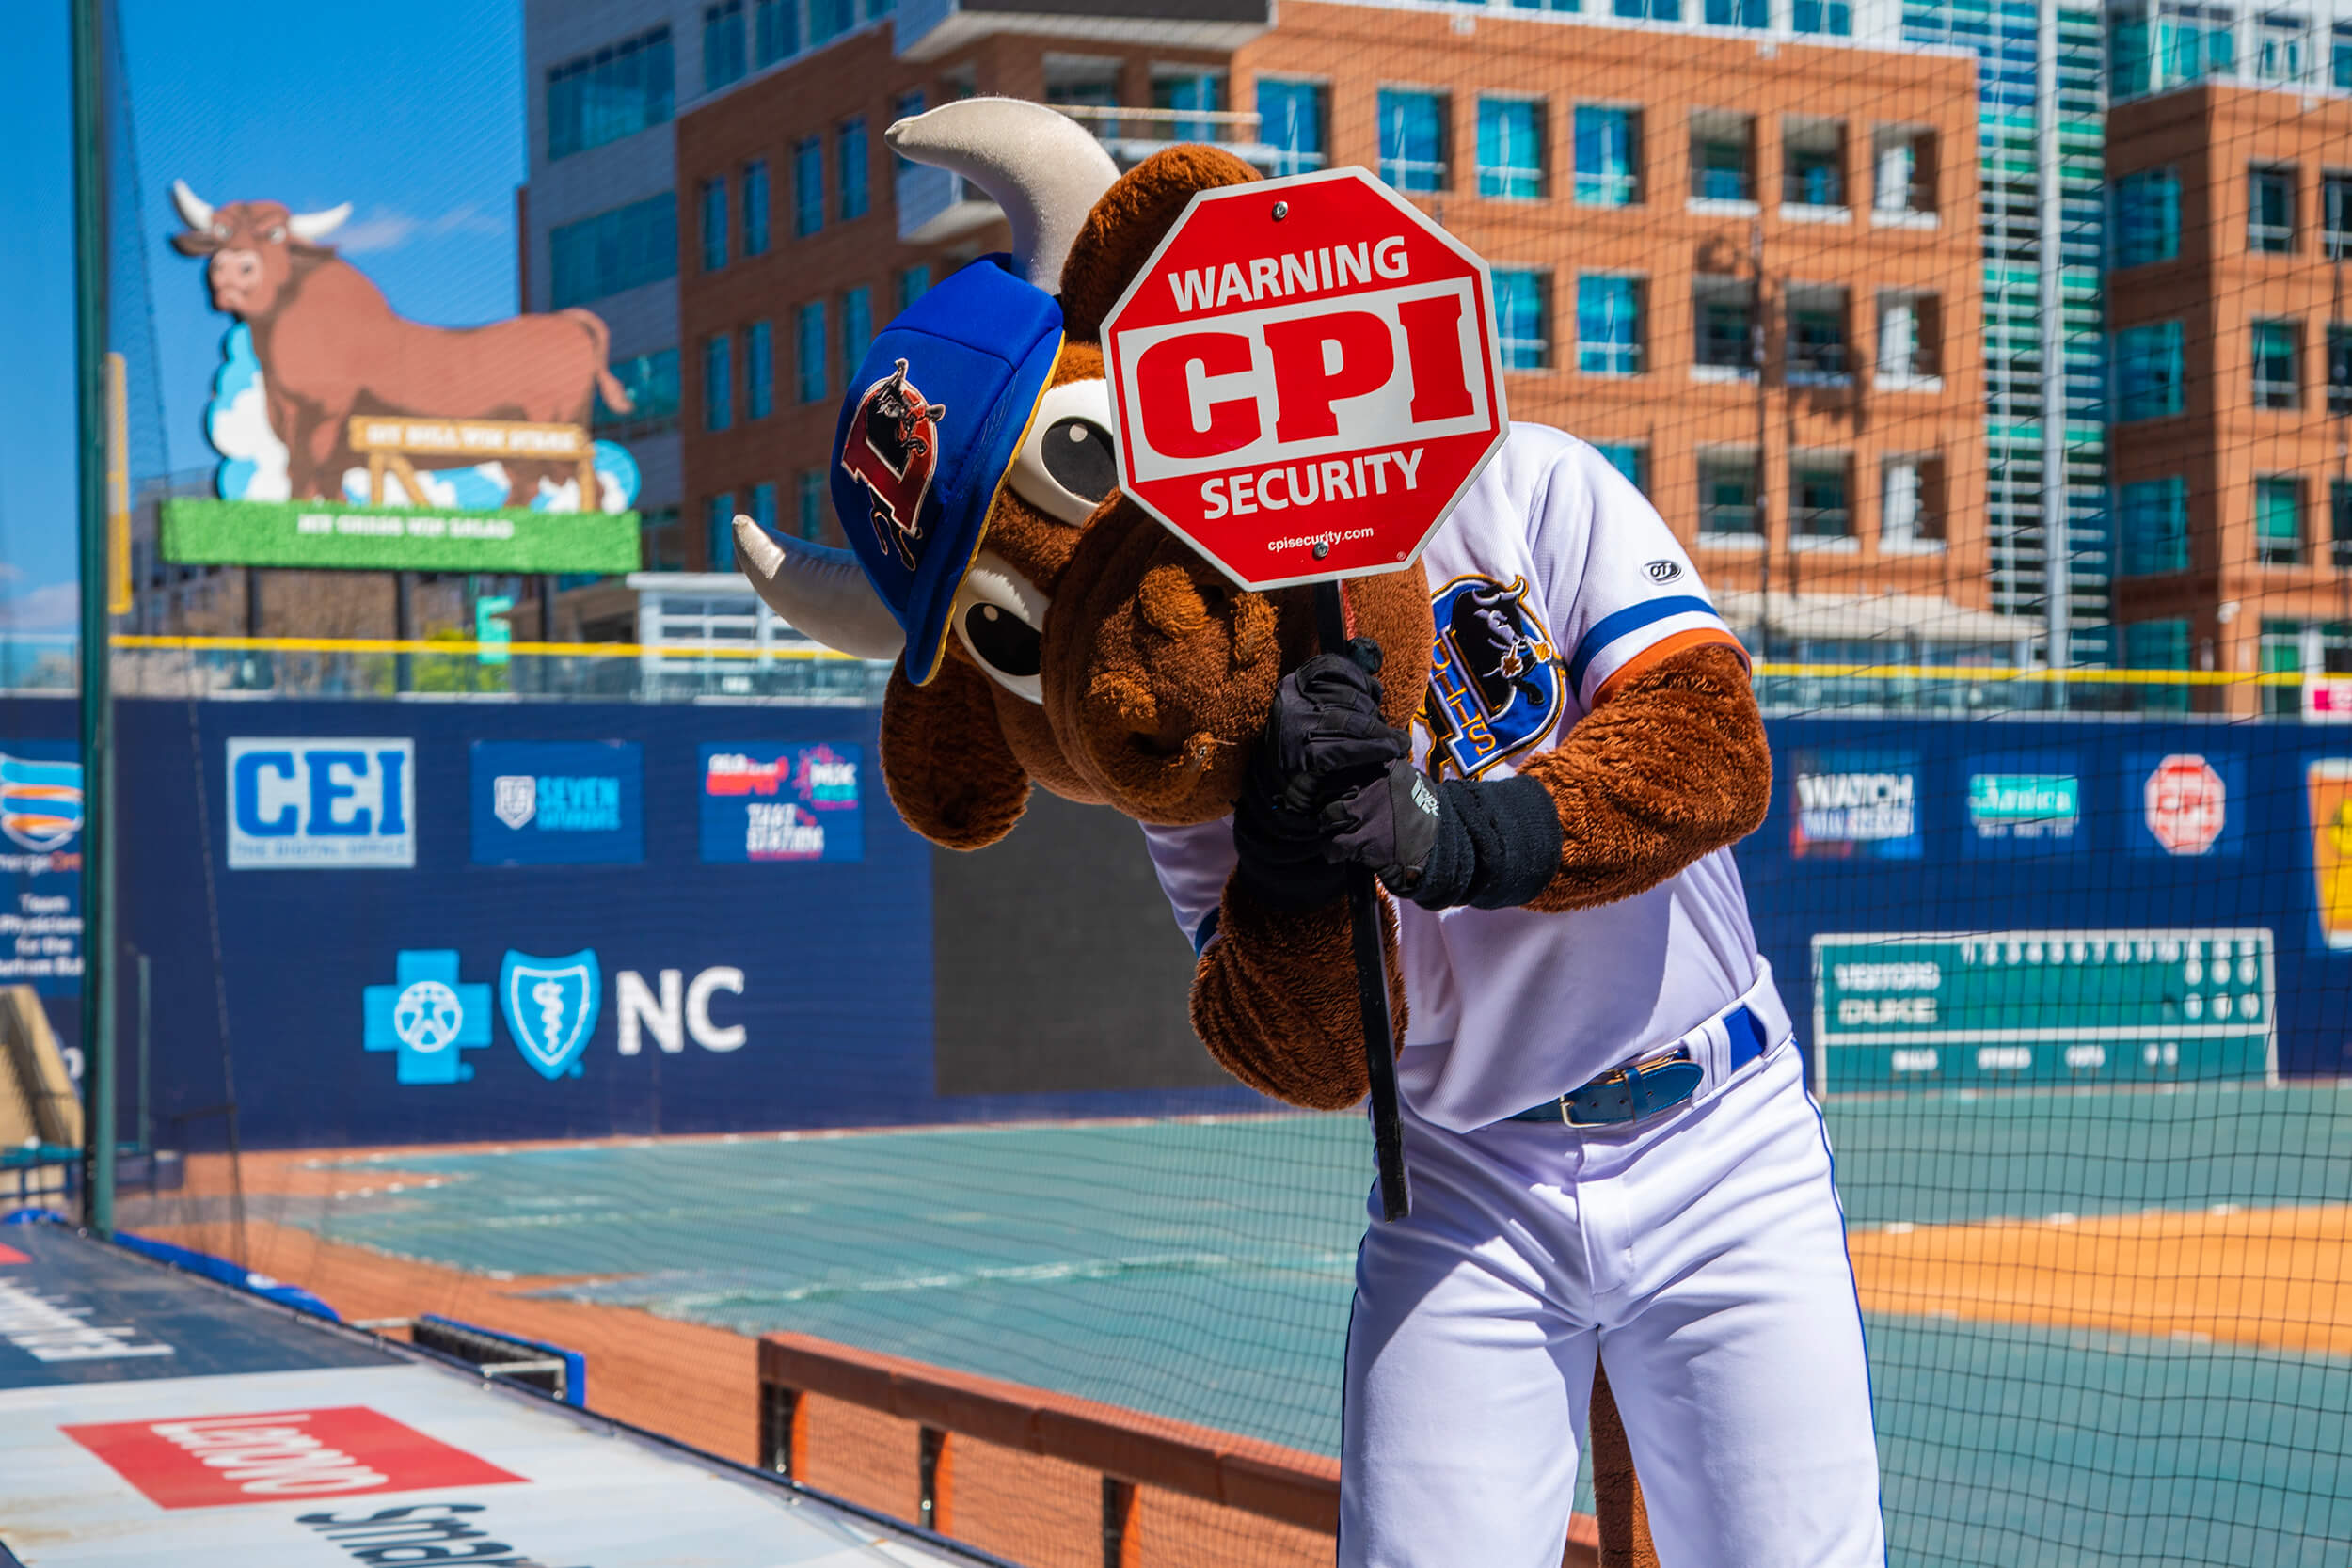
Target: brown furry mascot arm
column 1669, row 766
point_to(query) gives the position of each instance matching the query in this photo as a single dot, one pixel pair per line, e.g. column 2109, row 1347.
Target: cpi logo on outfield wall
column 340, row 803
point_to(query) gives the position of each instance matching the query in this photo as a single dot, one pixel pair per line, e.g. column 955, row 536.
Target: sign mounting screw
column 1282, row 211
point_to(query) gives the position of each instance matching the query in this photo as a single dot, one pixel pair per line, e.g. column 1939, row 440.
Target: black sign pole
column 1371, row 971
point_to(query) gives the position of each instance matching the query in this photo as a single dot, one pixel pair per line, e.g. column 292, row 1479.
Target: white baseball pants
column 1701, row 1254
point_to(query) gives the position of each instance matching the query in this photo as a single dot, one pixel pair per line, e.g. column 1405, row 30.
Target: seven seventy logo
column 338, row 803
column 279, row 1456
column 428, row 1016
column 558, row 803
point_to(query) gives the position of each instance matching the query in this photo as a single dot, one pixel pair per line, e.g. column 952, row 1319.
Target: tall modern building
column 597, row 219
column 1735, row 244
column 2230, row 150
column 2039, row 137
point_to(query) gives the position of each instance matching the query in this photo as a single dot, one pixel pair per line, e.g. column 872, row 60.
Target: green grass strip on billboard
column 203, row 533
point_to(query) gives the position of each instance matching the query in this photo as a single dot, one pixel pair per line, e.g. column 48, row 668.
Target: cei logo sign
column 340, row 803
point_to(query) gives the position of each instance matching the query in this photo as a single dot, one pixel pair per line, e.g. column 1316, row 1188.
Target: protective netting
column 1992, row 364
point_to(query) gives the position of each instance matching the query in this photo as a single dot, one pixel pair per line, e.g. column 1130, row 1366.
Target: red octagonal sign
column 1307, row 378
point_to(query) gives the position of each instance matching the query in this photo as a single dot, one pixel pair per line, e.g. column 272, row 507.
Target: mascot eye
column 220, row 230
column 1070, row 462
column 276, row 233
column 999, row 616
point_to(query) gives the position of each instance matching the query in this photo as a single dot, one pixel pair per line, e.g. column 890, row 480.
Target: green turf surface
column 1203, row 1270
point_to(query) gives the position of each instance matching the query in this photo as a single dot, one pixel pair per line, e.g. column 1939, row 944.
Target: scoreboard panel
column 2001, row 1009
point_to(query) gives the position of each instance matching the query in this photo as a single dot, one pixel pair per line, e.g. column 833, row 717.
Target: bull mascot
column 1614, row 1151
column 330, row 346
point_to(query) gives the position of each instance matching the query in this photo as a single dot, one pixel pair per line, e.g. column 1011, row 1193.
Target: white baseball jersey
column 1553, row 579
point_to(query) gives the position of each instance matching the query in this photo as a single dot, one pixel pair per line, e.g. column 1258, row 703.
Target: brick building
column 2233, row 377
column 1632, row 179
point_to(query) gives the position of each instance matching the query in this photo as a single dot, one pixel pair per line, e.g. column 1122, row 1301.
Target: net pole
column 98, row 913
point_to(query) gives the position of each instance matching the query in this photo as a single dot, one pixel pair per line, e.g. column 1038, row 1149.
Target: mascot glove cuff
column 1490, row 846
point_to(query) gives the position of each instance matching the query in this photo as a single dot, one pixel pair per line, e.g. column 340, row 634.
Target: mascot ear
column 945, row 761
column 1128, row 222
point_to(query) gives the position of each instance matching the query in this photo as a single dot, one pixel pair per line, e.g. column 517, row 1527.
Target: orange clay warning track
column 2267, row 1277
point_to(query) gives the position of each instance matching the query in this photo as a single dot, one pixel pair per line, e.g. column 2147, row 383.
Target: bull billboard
column 350, row 435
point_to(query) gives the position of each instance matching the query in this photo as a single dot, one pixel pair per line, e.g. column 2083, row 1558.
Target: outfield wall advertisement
column 465, row 922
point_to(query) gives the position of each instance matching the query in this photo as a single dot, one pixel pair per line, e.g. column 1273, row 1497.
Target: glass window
column 1523, row 313
column 857, row 326
column 718, row 382
column 651, row 382
column 1897, row 183
column 808, row 186
column 2339, row 513
column 714, row 223
column 829, row 19
column 718, row 532
column 1724, row 311
column 2340, row 369
column 1654, row 10
column 909, row 105
column 2283, row 49
column 1819, row 492
column 1833, row 17
column 1721, row 159
column 914, row 283
column 1191, row 92
column 2148, row 372
column 614, row 92
column 1629, row 458
column 1605, row 153
column 623, row 248
column 2147, row 217
column 763, row 512
column 1909, row 520
column 1607, row 325
column 1817, row 176
column 756, row 207
column 1739, row 13
column 2159, row 646
column 726, row 49
column 1817, row 334
column 1510, row 148
column 759, row 370
column 851, row 146
column 2341, row 71
column 2270, row 213
column 2276, row 382
column 811, row 382
column 1727, row 492
column 2152, row 514
column 1412, row 139
column 2335, row 216
column 775, row 31
column 812, row 499
column 1292, row 118
column 2279, row 519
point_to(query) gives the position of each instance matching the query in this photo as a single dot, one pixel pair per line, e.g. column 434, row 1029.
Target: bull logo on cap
column 893, row 450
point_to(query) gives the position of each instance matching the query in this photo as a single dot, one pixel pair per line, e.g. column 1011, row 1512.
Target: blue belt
column 1645, row 1087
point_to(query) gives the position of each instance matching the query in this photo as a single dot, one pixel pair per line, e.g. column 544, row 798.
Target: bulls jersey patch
column 1496, row 685
column 892, row 450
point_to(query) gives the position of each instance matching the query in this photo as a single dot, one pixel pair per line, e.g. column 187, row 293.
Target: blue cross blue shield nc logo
column 551, row 1006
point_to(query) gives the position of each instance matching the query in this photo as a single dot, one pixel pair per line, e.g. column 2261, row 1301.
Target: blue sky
column 412, row 113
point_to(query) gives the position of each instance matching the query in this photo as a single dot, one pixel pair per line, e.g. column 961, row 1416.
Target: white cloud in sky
column 389, row 228
column 52, row 606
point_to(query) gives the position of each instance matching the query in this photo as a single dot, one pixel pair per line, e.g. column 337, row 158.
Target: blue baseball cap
column 933, row 418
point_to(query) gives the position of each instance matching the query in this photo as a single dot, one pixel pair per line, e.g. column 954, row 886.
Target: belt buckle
column 1630, row 1078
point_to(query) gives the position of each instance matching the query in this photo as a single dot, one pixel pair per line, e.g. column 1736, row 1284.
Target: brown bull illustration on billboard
column 330, row 345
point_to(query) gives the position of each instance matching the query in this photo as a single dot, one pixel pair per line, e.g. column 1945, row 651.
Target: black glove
column 1490, row 846
column 1324, row 737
